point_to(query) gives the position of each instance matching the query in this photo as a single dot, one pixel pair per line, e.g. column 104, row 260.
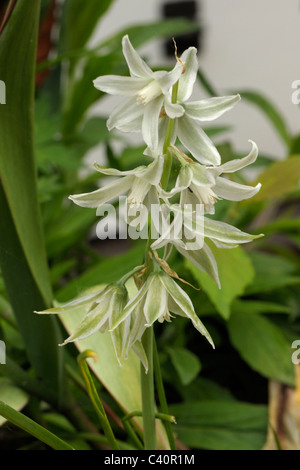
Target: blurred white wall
column 246, row 45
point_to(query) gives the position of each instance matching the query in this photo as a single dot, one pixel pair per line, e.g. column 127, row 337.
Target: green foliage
column 262, row 345
column 235, row 271
column 219, row 397
column 217, row 425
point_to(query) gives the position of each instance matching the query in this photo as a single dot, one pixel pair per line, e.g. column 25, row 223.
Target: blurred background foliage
column 222, row 399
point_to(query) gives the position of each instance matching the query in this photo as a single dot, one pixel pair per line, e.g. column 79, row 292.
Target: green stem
column 148, row 401
column 94, row 397
column 168, row 157
column 162, row 396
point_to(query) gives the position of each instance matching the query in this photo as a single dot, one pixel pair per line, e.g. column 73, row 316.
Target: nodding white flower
column 191, row 244
column 158, row 296
column 199, row 184
column 146, row 91
column 103, row 308
column 187, row 126
column 139, row 181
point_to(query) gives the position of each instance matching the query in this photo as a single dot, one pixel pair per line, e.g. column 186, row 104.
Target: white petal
column 226, row 233
column 138, row 192
column 211, row 108
column 156, row 301
column 137, row 66
column 188, row 78
column 184, row 302
column 196, row 141
column 204, row 260
column 95, row 320
column 102, row 195
column 232, row 191
column 150, row 122
column 173, row 110
column 167, row 79
column 74, row 304
column 120, row 86
column 115, row 172
column 183, row 181
column 125, row 113
column 133, row 303
column 201, row 177
column 234, row 165
column 152, row 173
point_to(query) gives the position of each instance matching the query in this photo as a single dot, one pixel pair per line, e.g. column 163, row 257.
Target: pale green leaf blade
column 12, row 396
column 262, row 345
column 221, row 425
column 186, row 364
column 235, row 273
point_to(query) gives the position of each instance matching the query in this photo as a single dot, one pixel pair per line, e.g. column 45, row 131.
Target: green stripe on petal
column 232, row 191
column 95, row 319
column 115, row 172
column 125, row 113
column 102, row 195
column 204, row 260
column 238, row 164
column 120, row 86
column 184, row 302
column 188, row 78
column 183, row 181
column 150, row 122
column 210, row 108
column 133, row 303
column 196, row 141
column 226, row 233
column 156, row 300
column 137, row 66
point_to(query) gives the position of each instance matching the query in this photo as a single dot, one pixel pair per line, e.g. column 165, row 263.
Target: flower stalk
column 157, row 105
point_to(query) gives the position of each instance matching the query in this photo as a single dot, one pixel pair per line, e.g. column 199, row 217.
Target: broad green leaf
column 258, row 306
column 31, row 427
column 235, row 271
column 278, row 180
column 122, row 382
column 12, row 396
column 186, row 364
column 262, row 345
column 22, row 252
column 271, row 272
column 270, row 111
column 217, row 425
column 17, row 165
column 79, row 21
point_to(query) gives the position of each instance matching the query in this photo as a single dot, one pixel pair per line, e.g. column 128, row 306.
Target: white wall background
column 247, row 44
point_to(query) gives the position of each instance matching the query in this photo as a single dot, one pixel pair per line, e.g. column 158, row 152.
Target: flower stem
column 148, row 400
column 162, row 396
column 166, row 152
column 92, row 392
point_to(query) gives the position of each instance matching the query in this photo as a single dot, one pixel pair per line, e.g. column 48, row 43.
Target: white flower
column 139, row 181
column 204, row 185
column 158, row 296
column 103, row 309
column 146, row 91
column 187, row 127
column 192, row 244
